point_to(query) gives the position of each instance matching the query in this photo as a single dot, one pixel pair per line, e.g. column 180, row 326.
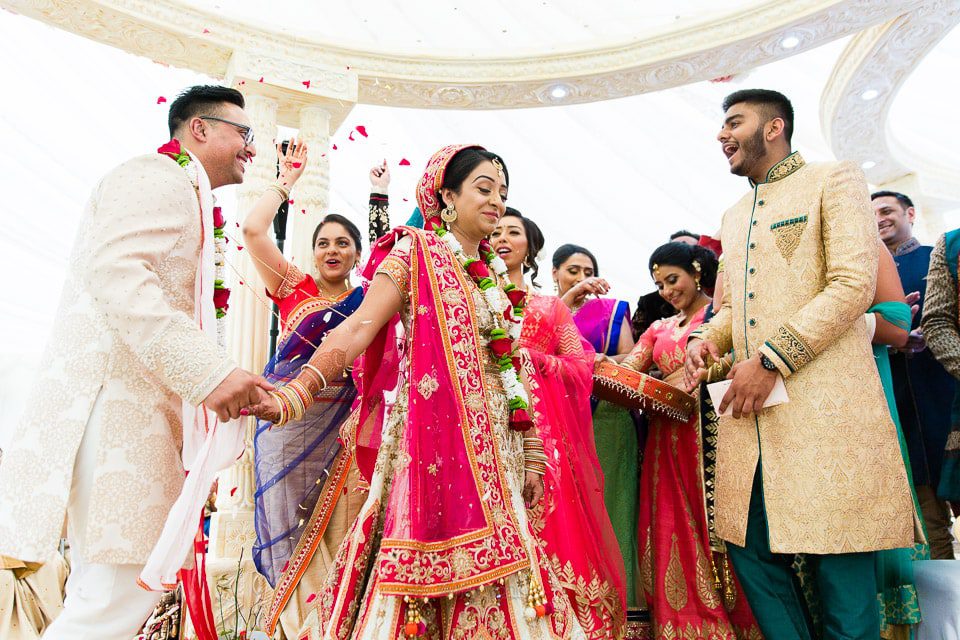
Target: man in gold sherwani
column 101, row 442
column 823, row 474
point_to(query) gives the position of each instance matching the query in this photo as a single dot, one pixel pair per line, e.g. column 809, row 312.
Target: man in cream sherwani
column 101, row 438
column 823, row 474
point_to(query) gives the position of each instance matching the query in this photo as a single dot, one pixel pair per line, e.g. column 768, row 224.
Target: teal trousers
column 845, row 582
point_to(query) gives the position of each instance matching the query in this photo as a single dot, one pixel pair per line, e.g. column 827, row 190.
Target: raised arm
column 379, row 201
column 939, row 322
column 269, row 262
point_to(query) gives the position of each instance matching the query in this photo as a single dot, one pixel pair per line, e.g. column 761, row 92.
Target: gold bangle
column 322, row 380
column 280, row 191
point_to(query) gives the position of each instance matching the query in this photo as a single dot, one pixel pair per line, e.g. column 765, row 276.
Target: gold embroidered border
column 791, row 348
column 310, row 539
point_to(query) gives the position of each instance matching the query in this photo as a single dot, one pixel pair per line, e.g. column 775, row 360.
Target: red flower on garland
column 517, row 296
column 171, row 149
column 501, row 347
column 520, row 420
column 218, row 220
column 478, row 270
column 220, row 298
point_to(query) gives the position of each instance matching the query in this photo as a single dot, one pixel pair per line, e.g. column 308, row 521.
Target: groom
column 131, row 356
column 822, row 474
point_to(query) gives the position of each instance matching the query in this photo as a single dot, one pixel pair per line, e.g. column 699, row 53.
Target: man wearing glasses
column 133, row 380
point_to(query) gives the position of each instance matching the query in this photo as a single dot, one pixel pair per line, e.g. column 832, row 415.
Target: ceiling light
column 869, row 164
column 869, row 94
column 559, row 92
column 790, row 42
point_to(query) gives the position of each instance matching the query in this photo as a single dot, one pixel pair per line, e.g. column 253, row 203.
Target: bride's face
column 480, row 201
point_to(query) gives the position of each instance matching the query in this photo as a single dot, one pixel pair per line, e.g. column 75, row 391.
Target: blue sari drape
column 292, row 463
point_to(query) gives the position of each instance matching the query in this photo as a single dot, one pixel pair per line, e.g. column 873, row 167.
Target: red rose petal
column 241, row 283
column 404, row 162
column 239, row 248
column 261, row 79
column 161, row 100
column 290, row 201
column 205, row 31
column 306, row 83
column 362, row 130
column 297, row 165
column 311, row 598
column 334, row 147
column 405, row 200
column 233, row 491
column 303, row 210
column 350, row 137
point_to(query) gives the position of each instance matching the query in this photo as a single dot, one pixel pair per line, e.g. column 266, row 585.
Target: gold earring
column 698, row 284
column 449, row 214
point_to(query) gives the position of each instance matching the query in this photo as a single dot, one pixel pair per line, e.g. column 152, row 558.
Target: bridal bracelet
column 295, row 397
column 534, row 458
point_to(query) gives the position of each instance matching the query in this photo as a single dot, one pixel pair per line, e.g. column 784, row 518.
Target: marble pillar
column 311, row 195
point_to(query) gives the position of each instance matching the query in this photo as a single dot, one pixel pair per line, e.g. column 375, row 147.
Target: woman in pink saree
column 571, row 522
column 688, row 584
column 443, row 547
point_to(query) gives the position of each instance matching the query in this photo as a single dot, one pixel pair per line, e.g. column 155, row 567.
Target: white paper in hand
column 778, row 395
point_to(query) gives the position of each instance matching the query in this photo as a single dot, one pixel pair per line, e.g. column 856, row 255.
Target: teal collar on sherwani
column 783, row 168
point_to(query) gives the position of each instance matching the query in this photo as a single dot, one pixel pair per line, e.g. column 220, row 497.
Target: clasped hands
column 237, row 394
column 752, row 383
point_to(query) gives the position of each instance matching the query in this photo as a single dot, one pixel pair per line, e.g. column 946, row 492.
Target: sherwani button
column 759, row 203
column 753, row 270
column 753, row 322
column 753, row 245
column 751, row 295
column 754, row 223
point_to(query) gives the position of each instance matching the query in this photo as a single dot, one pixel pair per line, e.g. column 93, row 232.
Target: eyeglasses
column 245, row 131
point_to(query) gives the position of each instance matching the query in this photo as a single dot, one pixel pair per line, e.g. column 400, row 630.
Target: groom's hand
column 238, row 390
column 752, row 383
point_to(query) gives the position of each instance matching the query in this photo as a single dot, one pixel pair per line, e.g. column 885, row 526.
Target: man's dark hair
column 204, row 99
column 683, row 233
column 773, row 104
column 903, row 199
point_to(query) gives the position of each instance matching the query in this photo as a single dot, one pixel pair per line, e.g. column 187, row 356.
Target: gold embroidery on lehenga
column 705, row 580
column 674, row 581
column 646, row 565
column 428, row 384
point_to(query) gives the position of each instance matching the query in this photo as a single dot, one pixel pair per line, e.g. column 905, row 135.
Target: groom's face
column 227, row 153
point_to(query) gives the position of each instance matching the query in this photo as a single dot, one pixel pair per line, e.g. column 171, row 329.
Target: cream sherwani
column 801, row 256
column 124, row 351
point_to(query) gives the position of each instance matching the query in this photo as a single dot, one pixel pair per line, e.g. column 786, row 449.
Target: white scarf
column 209, row 446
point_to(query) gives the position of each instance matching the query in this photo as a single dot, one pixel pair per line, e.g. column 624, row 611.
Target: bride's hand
column 532, row 489
column 292, row 163
column 267, row 409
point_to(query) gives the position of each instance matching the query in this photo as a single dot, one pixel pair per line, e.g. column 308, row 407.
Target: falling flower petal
column 350, row 137
column 362, row 130
column 297, row 165
column 306, row 83
column 405, row 200
column 243, row 82
column 241, row 283
column 290, row 201
column 239, row 248
column 261, row 79
column 303, row 210
column 311, row 598
column 404, row 162
column 161, row 100
column 206, row 31
column 233, row 491
column 334, row 147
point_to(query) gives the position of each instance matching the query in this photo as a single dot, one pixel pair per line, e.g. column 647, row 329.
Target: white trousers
column 103, row 601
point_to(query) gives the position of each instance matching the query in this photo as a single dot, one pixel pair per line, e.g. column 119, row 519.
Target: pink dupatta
column 448, row 526
column 573, row 524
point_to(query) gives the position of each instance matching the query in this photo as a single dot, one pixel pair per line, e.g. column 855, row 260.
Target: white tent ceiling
column 615, row 176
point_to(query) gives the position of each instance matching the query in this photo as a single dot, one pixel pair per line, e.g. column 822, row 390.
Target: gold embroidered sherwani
column 124, row 351
column 800, row 256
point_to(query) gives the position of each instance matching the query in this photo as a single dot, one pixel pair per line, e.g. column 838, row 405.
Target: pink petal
column 297, row 165
column 161, row 100
column 290, row 201
column 205, row 31
column 334, row 147
column 306, row 83
column 261, row 79
column 350, row 137
column 239, row 248
column 362, row 130
column 233, row 491
column 303, row 210
column 311, row 598
column 404, row 162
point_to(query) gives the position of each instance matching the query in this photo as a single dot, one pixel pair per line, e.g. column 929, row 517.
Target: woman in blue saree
column 308, row 490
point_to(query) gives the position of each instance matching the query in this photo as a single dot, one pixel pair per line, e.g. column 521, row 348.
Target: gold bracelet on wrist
column 280, row 191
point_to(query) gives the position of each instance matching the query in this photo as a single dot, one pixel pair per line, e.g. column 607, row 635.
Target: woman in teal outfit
column 896, row 589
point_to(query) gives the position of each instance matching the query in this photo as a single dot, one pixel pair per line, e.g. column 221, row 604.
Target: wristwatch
column 767, row 363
